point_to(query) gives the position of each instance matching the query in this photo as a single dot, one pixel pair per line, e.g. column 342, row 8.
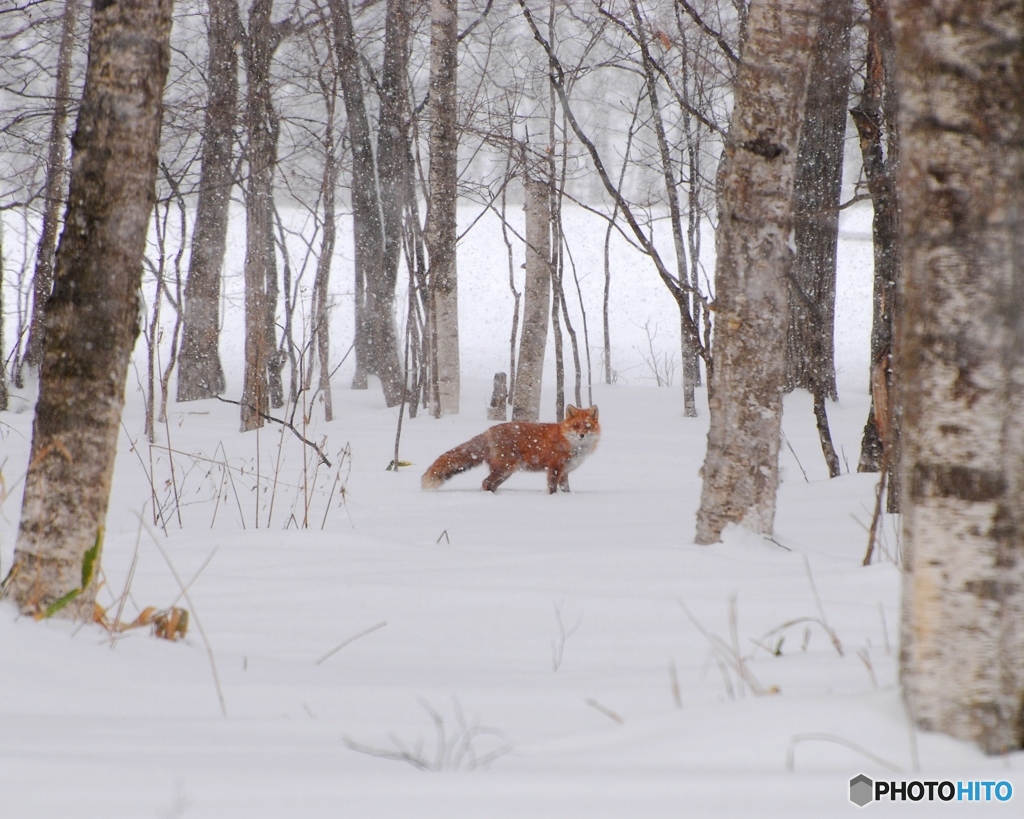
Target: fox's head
column 582, row 422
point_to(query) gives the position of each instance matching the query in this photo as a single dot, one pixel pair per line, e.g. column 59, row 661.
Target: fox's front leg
column 557, row 479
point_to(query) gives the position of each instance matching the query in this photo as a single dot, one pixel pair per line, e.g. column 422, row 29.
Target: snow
column 576, row 650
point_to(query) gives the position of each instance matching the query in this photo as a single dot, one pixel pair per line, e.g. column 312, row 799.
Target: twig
column 195, row 576
column 604, row 710
column 351, row 639
column 853, row 746
column 285, row 424
column 885, row 629
column 345, row 453
column 876, row 517
column 824, row 620
column 866, row 659
column 227, row 468
column 194, row 615
column 563, row 634
column 796, row 621
column 673, row 677
column 157, row 509
column 451, row 753
column 726, row 653
column 796, row 457
column 127, row 584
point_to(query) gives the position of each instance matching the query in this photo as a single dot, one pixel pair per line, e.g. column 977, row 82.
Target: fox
column 555, row 448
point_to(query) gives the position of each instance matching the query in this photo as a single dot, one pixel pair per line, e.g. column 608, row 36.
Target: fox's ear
column 571, row 411
column 593, row 412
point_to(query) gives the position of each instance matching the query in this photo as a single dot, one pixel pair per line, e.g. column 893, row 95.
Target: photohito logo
column 864, row 790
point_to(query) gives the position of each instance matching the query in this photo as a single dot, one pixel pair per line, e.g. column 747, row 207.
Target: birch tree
column 752, row 243
column 960, row 337
column 536, row 302
column 441, row 214
column 92, row 315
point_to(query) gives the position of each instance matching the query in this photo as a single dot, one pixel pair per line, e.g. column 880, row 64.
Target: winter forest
column 750, row 270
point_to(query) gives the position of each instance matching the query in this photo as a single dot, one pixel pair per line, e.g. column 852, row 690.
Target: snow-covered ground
column 463, row 654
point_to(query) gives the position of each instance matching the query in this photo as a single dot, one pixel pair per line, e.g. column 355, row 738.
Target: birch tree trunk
column 200, row 373
column 960, row 334
column 92, row 316
column 537, row 303
column 441, row 228
column 752, row 242
column 42, row 279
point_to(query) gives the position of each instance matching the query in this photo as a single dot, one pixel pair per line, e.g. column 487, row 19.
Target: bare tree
column 53, row 197
column 262, row 374
column 320, row 327
column 537, row 302
column 441, row 227
column 92, row 316
column 752, row 297
column 672, row 184
column 3, row 359
column 958, row 356
column 376, row 336
column 200, row 372
column 877, row 126
column 679, row 289
column 810, row 348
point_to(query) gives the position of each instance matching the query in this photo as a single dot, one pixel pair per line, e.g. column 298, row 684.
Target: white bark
column 537, row 303
column 753, row 249
column 92, row 316
column 959, row 342
column 441, row 233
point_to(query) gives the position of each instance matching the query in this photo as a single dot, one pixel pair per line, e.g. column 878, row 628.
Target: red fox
column 556, row 448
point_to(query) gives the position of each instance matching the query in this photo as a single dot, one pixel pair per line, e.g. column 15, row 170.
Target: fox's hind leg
column 499, row 474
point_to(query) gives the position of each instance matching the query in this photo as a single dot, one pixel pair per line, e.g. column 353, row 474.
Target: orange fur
column 554, row 448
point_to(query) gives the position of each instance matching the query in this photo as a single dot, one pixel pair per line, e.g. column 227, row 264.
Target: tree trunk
column 261, row 42
column 752, row 306
column 3, row 359
column 393, row 154
column 42, row 280
column 376, row 337
column 688, row 352
column 441, row 228
column 200, row 373
column 92, row 316
column 810, row 349
column 959, row 338
column 877, row 127
column 537, row 303
column 320, row 309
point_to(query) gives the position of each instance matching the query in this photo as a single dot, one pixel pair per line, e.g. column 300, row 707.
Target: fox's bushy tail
column 464, row 456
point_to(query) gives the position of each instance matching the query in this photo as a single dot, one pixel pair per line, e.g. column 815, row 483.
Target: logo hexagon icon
column 861, row 790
